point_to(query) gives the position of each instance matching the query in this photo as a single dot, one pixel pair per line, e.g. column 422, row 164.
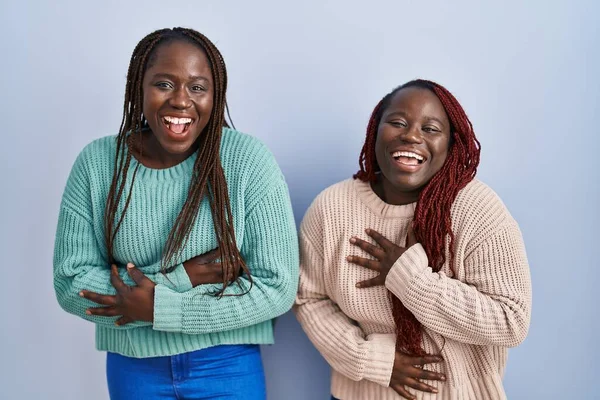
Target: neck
column 391, row 195
column 148, row 151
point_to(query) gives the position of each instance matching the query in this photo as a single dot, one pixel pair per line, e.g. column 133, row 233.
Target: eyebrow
column 172, row 77
column 403, row 114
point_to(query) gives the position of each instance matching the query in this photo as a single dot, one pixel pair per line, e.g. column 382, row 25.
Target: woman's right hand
column 204, row 269
column 408, row 371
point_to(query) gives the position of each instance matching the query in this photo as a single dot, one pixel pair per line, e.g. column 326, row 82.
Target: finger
column 99, row 298
column 103, row 311
column 138, row 277
column 401, row 390
column 428, row 359
column 427, row 375
column 219, row 272
column 123, row 321
column 210, row 256
column 216, row 271
column 365, row 262
column 375, row 251
column 411, row 238
column 116, row 280
column 380, row 239
column 377, row 281
column 418, row 385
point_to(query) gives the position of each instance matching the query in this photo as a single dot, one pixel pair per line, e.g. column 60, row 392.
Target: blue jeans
column 217, row 373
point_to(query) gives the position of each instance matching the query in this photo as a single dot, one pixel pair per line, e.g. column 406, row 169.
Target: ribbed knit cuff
column 168, row 305
column 380, row 358
column 412, row 262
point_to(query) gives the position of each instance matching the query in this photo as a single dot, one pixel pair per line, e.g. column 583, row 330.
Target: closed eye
column 398, row 124
column 163, row 85
column 430, row 129
column 198, row 88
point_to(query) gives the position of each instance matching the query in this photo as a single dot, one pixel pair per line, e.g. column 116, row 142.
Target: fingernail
column 368, row 230
column 352, row 240
column 130, row 265
column 435, row 390
column 348, row 258
column 443, row 378
column 358, row 285
column 116, row 323
column 81, row 294
column 88, row 312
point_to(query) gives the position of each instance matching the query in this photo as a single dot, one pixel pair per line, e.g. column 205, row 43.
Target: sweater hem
column 145, row 342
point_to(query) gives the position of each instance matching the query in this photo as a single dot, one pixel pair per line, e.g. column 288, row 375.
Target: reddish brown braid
column 432, row 222
column 208, row 178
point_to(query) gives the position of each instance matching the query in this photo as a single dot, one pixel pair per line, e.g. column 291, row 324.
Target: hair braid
column 208, row 177
column 432, row 222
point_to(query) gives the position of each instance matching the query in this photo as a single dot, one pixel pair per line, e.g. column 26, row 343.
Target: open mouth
column 177, row 125
column 408, row 158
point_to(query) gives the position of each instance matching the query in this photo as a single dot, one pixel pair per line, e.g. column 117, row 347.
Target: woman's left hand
column 386, row 254
column 132, row 303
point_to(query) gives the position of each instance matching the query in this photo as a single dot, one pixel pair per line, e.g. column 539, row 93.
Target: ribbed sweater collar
column 379, row 207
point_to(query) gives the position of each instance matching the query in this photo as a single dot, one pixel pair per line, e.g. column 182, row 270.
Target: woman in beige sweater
column 414, row 278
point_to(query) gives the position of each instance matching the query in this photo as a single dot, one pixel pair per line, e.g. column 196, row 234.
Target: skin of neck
column 392, row 195
column 152, row 154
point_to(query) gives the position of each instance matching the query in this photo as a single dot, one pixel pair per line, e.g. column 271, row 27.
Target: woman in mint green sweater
column 176, row 237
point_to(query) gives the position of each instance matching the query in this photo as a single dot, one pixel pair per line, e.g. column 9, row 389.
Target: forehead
column 179, row 56
column 417, row 101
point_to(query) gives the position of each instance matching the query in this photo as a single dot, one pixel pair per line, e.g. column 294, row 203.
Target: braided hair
column 208, row 178
column 432, row 222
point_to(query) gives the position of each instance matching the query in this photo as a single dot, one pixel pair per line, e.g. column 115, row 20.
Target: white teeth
column 407, row 154
column 177, row 121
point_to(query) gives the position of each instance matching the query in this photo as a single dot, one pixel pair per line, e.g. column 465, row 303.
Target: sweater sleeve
column 270, row 250
column 339, row 339
column 492, row 306
column 79, row 263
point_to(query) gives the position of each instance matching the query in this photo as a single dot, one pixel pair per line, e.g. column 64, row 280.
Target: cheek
column 204, row 106
column 145, row 108
column 149, row 104
column 207, row 104
column 379, row 152
column 380, row 144
column 441, row 155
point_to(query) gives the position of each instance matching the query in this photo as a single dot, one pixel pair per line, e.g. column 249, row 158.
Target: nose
column 180, row 99
column 412, row 135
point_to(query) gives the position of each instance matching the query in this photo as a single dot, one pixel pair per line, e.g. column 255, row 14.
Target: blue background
column 304, row 77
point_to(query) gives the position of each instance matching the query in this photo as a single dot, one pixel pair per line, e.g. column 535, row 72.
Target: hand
column 386, row 254
column 132, row 303
column 408, row 371
column 203, row 269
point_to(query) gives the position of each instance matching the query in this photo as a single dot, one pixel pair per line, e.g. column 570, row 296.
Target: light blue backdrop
column 304, row 77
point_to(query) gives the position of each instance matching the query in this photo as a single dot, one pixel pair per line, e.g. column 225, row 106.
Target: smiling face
column 412, row 144
column 178, row 100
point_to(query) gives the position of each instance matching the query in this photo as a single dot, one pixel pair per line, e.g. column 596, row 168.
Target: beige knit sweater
column 472, row 318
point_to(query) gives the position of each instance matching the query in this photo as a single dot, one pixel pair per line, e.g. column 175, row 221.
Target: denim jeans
column 232, row 372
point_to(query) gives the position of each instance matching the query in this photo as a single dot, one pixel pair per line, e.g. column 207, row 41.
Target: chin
column 176, row 148
column 408, row 185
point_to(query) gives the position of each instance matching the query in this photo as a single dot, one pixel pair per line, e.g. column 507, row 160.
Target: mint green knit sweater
column 185, row 318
